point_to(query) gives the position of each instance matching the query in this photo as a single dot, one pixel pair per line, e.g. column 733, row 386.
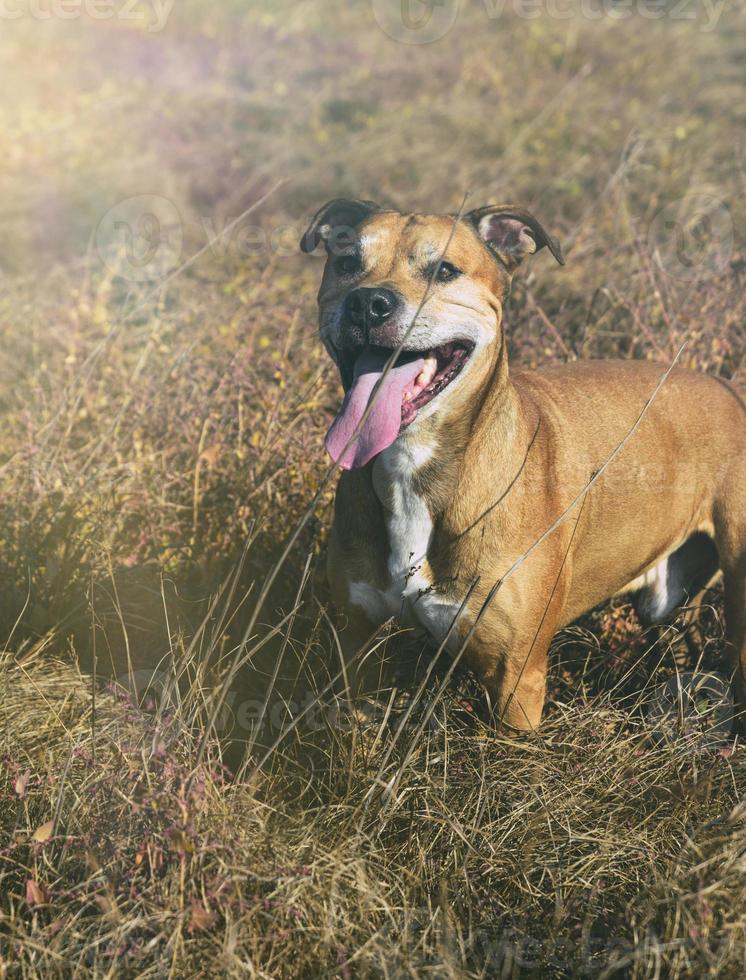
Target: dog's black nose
column 370, row 307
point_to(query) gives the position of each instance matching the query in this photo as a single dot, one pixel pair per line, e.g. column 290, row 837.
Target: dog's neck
column 430, row 481
column 429, row 460
column 432, row 453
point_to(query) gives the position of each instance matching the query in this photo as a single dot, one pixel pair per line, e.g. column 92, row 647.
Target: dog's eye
column 347, row 265
column 446, row 271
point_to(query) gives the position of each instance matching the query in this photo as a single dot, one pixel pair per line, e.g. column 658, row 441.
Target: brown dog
column 465, row 508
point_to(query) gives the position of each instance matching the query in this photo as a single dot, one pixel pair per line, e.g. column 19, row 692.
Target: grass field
column 180, row 796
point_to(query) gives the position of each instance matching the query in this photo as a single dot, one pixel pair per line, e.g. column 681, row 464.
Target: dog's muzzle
column 365, row 313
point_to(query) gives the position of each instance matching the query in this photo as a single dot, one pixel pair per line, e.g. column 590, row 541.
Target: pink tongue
column 384, row 419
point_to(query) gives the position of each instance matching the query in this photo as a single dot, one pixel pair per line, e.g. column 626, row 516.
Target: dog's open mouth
column 380, row 401
column 442, row 365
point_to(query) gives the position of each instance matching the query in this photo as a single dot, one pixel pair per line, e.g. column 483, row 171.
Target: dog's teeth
column 427, row 373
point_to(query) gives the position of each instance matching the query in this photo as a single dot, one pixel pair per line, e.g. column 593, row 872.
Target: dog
column 492, row 507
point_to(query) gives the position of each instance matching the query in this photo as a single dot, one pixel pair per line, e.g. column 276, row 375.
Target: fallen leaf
column 44, row 832
column 20, row 785
column 201, row 918
column 35, row 894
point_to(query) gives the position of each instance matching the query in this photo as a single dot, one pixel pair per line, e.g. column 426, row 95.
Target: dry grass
column 161, row 442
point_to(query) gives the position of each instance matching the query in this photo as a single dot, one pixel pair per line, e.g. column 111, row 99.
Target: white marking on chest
column 409, row 595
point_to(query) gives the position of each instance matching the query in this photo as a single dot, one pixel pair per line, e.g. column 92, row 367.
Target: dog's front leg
column 512, row 664
column 518, row 689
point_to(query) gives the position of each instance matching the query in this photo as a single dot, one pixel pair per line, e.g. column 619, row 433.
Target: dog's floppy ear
column 333, row 219
column 512, row 233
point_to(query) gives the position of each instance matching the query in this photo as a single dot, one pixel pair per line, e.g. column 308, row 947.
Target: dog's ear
column 335, row 218
column 512, row 233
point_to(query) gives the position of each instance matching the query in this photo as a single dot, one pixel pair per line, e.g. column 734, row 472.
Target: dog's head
column 429, row 285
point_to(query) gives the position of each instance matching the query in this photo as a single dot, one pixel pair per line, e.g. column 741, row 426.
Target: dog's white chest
column 409, row 595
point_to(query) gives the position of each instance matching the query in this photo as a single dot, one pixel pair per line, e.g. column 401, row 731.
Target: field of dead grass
column 180, row 796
